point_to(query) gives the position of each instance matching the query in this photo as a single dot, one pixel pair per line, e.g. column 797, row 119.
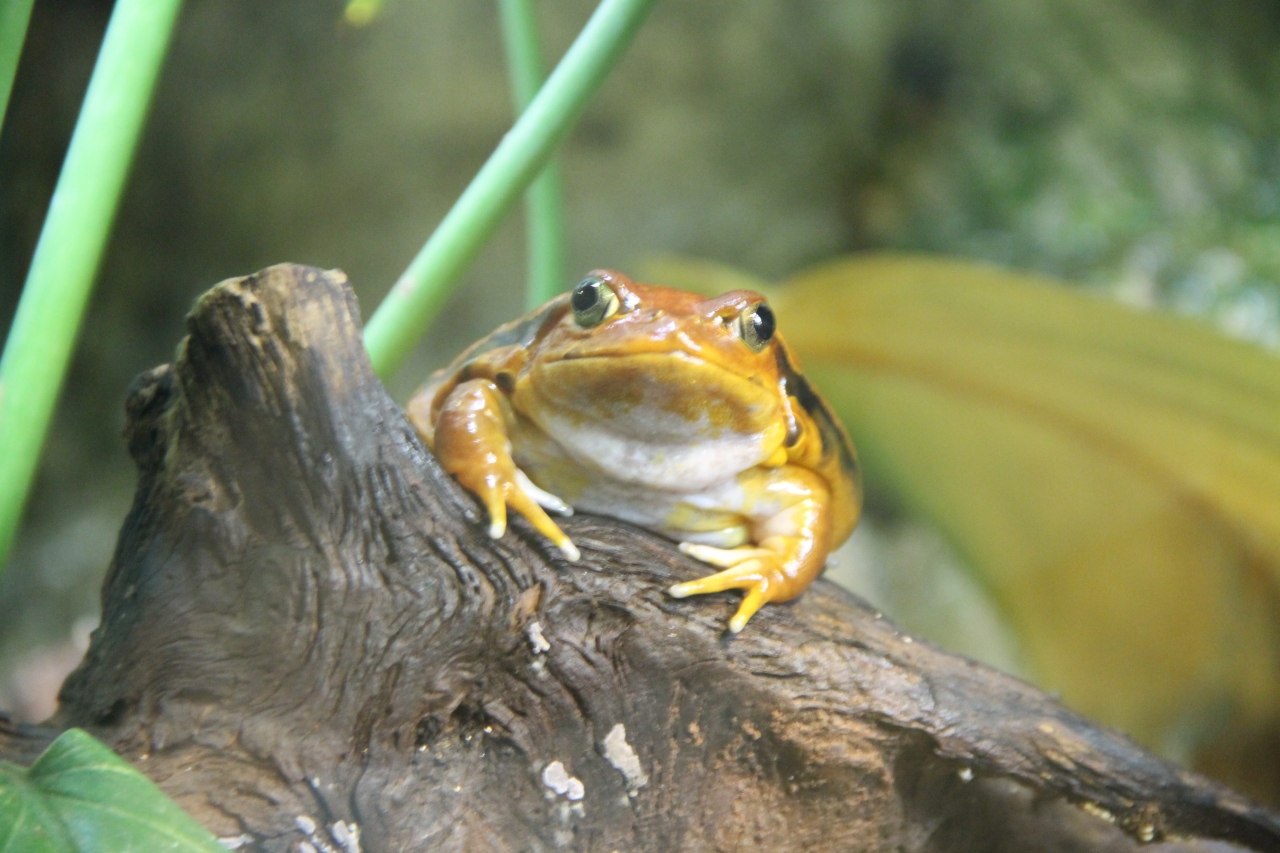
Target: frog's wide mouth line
column 681, row 355
column 714, row 374
column 607, row 354
column 650, row 355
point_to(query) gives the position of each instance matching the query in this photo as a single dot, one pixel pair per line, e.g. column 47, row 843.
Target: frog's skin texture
column 681, row 414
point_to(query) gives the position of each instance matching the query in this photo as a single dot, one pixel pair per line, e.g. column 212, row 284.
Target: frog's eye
column 593, row 302
column 756, row 325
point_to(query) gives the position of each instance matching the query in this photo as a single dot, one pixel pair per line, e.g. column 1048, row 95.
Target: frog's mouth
column 669, row 361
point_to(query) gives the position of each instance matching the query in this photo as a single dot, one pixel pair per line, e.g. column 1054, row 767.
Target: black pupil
column 762, row 322
column 586, row 295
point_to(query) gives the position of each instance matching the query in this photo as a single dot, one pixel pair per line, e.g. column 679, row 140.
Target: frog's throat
column 675, row 466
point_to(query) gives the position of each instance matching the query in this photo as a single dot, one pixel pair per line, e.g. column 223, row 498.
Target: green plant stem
column 421, row 290
column 75, row 231
column 14, row 17
column 543, row 201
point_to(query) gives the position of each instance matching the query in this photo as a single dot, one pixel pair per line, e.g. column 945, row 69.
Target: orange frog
column 685, row 415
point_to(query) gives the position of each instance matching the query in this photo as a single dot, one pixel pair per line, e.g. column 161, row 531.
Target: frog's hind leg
column 790, row 532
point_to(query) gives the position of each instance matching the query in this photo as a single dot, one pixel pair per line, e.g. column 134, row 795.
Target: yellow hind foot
column 760, row 572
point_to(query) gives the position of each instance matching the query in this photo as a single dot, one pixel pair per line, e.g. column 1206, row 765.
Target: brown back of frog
column 519, row 333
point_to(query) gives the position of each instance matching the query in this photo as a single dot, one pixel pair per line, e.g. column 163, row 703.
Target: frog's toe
column 544, row 498
column 742, row 576
column 755, row 576
column 522, row 503
column 724, row 557
column 756, row 597
column 497, row 509
column 755, row 571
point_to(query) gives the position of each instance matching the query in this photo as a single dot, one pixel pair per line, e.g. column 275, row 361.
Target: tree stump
column 305, row 623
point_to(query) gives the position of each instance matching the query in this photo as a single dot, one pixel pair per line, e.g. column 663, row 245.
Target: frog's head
column 660, row 366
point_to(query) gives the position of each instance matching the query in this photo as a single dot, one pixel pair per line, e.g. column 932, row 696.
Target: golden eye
column 756, row 326
column 593, row 302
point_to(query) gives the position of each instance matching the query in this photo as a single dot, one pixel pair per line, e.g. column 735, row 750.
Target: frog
column 684, row 414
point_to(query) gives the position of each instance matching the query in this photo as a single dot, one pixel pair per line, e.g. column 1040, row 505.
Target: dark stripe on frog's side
column 834, row 438
column 519, row 332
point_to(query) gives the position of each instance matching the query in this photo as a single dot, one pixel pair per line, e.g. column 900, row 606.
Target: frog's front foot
column 514, row 489
column 499, row 490
column 760, row 572
column 470, row 440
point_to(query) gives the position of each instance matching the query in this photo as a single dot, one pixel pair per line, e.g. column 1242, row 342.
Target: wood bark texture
column 305, row 623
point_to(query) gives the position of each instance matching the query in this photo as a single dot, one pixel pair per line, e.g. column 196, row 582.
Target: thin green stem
column 543, row 201
column 14, row 17
column 421, row 290
column 70, row 247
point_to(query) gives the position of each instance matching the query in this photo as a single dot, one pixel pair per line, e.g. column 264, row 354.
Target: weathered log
column 305, row 618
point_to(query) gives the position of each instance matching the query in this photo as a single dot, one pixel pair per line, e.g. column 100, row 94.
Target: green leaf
column 80, row 796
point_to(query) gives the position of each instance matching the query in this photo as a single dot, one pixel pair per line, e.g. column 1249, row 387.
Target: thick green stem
column 75, row 231
column 14, row 17
column 421, row 290
column 543, row 202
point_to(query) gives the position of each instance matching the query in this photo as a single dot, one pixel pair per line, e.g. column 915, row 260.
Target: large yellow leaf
column 1114, row 476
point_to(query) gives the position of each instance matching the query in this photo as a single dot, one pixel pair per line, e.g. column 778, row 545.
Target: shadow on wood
column 305, row 618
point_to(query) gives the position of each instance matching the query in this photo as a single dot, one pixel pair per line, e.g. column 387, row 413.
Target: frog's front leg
column 788, row 508
column 470, row 438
